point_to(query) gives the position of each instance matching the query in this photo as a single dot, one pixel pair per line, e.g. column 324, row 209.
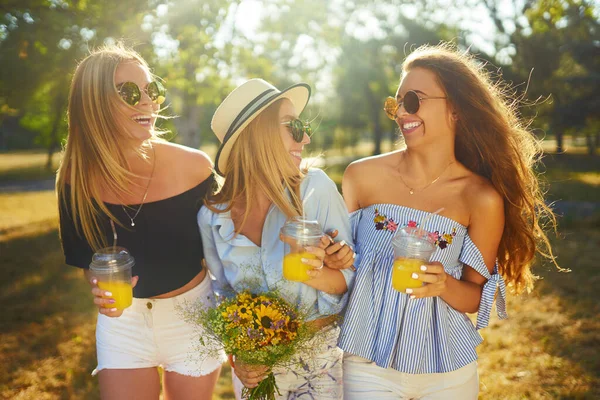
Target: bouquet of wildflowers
column 257, row 329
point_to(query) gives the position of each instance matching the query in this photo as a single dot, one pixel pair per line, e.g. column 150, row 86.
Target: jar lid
column 111, row 260
column 414, row 238
column 301, row 228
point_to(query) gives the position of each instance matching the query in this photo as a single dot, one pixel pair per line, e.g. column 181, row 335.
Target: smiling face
column 433, row 121
column 139, row 119
column 287, row 112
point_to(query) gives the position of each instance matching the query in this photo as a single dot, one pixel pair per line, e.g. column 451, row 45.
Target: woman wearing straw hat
column 259, row 158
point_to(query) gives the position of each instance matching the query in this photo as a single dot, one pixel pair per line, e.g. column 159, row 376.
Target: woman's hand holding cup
column 338, row 254
column 434, row 277
column 103, row 298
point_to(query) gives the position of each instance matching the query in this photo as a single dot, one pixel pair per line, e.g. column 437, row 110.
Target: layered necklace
column 132, row 219
column 412, row 190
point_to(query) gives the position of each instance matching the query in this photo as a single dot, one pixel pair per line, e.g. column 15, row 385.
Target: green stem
column 264, row 391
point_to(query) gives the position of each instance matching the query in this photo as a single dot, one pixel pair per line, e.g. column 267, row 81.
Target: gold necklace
column 412, row 190
column 132, row 219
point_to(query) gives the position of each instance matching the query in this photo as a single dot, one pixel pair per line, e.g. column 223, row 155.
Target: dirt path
column 26, row 186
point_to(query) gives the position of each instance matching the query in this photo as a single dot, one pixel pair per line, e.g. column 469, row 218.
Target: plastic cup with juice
column 111, row 266
column 412, row 247
column 298, row 233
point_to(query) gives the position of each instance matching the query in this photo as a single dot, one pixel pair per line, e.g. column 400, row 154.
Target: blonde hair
column 494, row 143
column 94, row 158
column 259, row 163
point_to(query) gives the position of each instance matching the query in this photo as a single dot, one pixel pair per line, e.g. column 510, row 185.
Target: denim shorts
column 152, row 333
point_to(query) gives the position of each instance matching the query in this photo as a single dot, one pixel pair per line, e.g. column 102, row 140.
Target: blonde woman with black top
column 115, row 171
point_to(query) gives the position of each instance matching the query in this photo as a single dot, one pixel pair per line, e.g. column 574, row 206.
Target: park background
column 350, row 52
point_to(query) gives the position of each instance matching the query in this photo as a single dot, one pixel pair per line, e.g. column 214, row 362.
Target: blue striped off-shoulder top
column 416, row 336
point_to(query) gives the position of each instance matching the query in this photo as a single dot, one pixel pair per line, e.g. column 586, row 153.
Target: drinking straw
column 310, row 192
column 420, row 231
column 112, row 224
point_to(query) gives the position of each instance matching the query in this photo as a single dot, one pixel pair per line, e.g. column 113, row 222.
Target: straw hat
column 243, row 105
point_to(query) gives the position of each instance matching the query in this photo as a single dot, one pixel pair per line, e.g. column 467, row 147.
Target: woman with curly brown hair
column 468, row 154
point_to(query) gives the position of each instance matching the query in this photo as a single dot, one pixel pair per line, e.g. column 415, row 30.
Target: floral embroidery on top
column 384, row 223
column 442, row 241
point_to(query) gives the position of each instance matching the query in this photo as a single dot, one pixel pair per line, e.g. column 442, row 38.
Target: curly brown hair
column 493, row 142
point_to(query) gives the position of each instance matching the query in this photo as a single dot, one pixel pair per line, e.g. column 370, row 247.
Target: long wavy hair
column 493, row 142
column 258, row 162
column 93, row 160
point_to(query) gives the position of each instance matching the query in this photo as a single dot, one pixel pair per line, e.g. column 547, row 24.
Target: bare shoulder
column 483, row 200
column 363, row 176
column 365, row 167
column 194, row 164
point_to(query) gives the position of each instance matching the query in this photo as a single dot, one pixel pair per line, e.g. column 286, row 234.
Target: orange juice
column 293, row 267
column 121, row 292
column 401, row 274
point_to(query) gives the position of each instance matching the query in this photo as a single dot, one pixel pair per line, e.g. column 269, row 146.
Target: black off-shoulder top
column 165, row 240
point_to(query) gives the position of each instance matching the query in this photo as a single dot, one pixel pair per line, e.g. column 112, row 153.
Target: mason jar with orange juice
column 412, row 247
column 298, row 233
column 111, row 266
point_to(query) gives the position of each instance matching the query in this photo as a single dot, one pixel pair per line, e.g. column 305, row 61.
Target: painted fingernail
column 94, row 281
column 354, row 255
column 409, row 291
column 413, row 296
column 304, row 260
column 112, row 310
column 111, row 301
column 108, row 294
column 343, row 243
column 423, row 268
column 414, row 276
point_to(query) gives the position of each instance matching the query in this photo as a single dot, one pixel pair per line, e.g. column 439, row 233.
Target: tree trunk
column 54, row 140
column 2, row 140
column 559, row 142
column 589, row 141
column 375, row 110
column 188, row 124
column 378, row 134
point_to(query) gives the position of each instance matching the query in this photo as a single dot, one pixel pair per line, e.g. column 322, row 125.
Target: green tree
column 40, row 43
column 195, row 66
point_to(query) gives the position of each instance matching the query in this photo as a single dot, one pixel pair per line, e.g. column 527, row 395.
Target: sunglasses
column 298, row 129
column 411, row 103
column 132, row 94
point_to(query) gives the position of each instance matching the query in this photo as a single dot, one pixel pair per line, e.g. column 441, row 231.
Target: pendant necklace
column 412, row 190
column 132, row 219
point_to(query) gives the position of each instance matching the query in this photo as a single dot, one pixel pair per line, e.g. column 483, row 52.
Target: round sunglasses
column 132, row 94
column 411, row 103
column 298, row 128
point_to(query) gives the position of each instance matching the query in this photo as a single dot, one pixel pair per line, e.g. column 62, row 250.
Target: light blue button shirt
column 237, row 264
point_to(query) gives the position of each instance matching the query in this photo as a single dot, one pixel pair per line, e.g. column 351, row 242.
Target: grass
column 548, row 349
column 26, row 165
column 572, row 177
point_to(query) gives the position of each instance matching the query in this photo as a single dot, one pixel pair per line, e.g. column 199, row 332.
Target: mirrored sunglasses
column 298, row 128
column 411, row 103
column 132, row 94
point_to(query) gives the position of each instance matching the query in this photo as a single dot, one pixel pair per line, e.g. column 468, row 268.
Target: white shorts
column 152, row 333
column 363, row 379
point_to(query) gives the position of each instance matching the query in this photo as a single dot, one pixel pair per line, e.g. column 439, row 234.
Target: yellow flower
column 244, row 297
column 448, row 238
column 267, row 317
